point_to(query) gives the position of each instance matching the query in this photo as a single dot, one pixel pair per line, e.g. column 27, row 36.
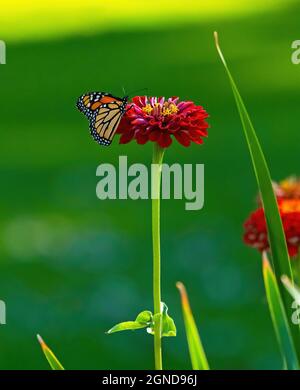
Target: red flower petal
column 155, row 119
column 126, row 137
column 141, row 139
column 256, row 230
column 164, row 140
column 154, row 135
column 183, row 138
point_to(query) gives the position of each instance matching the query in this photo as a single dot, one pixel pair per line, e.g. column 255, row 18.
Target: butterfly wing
column 104, row 112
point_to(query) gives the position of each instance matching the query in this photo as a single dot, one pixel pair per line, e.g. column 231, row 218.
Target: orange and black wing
column 104, row 112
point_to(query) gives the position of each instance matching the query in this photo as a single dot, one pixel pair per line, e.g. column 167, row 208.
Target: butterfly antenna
column 124, row 92
column 138, row 90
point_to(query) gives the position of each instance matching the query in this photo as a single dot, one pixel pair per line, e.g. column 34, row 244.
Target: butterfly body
column 104, row 112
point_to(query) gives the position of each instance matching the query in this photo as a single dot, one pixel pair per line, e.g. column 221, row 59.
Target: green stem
column 296, row 269
column 157, row 159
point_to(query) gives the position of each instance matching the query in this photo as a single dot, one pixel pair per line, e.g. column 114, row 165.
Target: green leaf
column 52, row 359
column 168, row 325
column 197, row 354
column 145, row 317
column 168, row 328
column 143, row 320
column 275, row 230
column 279, row 318
column 280, row 257
column 127, row 325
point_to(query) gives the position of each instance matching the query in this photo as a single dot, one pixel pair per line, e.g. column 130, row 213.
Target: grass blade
column 280, row 257
column 275, row 230
column 197, row 354
column 279, row 317
column 52, row 359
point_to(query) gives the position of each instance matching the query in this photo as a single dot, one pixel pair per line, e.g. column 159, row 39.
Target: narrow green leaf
column 275, row 230
column 280, row 257
column 197, row 354
column 52, row 359
column 279, row 318
column 143, row 320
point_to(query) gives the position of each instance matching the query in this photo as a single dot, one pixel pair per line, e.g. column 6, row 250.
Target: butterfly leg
column 128, row 109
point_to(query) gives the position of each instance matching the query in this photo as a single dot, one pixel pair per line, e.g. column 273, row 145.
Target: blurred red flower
column 290, row 188
column 288, row 198
column 157, row 119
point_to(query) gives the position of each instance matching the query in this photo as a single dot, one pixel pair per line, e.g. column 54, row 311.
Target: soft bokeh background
column 71, row 265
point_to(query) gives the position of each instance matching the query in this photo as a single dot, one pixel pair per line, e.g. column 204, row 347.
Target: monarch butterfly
column 104, row 112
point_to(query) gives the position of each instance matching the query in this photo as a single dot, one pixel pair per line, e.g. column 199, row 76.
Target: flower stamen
column 147, row 109
column 169, row 109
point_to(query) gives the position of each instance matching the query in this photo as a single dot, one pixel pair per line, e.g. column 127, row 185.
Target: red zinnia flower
column 157, row 119
column 288, row 199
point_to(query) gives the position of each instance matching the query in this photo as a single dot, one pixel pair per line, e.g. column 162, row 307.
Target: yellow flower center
column 158, row 109
column 291, row 187
column 147, row 109
column 169, row 109
column 290, row 206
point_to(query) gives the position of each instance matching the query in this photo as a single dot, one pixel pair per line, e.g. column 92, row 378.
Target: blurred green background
column 71, row 265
